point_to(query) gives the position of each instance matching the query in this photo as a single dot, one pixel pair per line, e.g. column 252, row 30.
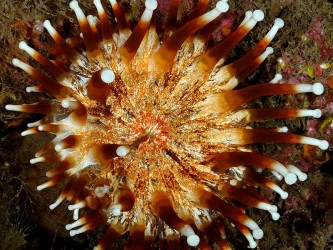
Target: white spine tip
column 222, row 6
column 41, row 187
column 122, row 150
column 26, row 132
column 52, row 206
column 16, row 62
column 72, row 233
column 269, row 50
column 46, row 24
column 284, row 195
column 58, row 148
column 290, row 178
column 107, row 75
column 275, row 216
column 23, row 45
column 91, row 20
column 257, row 233
column 35, row 160
column 258, row 15
column 252, row 244
column 276, row 78
column 300, row 175
column 323, row 145
column 11, row 107
column 283, row 129
column 116, row 212
column 76, row 214
column 279, row 23
column 193, row 240
column 151, row 4
column 65, row 104
column 318, row 88
column 317, row 113
column 74, row 4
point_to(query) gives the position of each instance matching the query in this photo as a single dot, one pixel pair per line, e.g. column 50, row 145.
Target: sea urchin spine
column 150, row 136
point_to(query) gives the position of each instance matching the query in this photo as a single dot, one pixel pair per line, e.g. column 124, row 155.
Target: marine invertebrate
column 151, row 135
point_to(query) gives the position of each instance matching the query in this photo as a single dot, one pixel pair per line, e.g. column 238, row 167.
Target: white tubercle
column 316, row 113
column 122, row 150
column 301, row 176
column 222, row 6
column 322, row 144
column 57, row 202
column 276, row 78
column 107, row 75
column 151, row 4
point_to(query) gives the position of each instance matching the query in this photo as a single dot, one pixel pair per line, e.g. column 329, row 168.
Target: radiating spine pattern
column 152, row 134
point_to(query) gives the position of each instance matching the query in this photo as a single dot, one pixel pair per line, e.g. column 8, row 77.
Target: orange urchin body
column 151, row 136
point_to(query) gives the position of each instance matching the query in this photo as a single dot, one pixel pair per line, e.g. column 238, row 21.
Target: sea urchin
column 150, row 136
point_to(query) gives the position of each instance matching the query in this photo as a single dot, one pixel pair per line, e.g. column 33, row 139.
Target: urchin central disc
column 150, row 128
